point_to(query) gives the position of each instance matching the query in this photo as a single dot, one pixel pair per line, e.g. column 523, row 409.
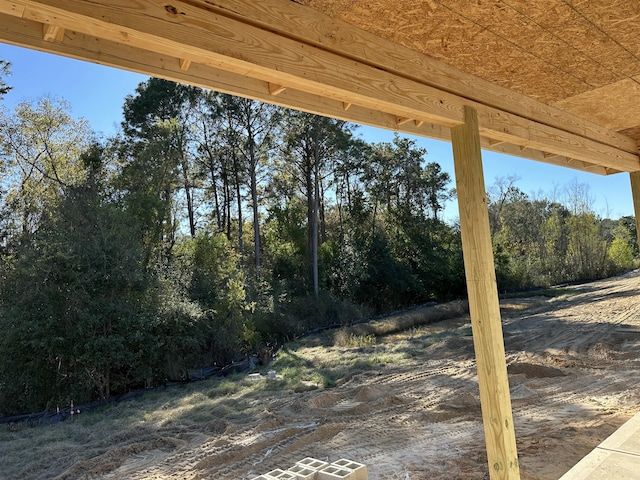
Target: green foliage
column 126, row 264
column 42, row 146
column 74, row 311
column 542, row 243
column 214, row 281
column 621, row 252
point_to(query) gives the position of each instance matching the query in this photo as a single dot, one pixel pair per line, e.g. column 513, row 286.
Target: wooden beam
column 346, row 105
column 27, row 33
column 635, row 193
column 12, row 8
column 402, row 120
column 332, row 34
column 242, row 48
column 81, row 46
column 483, row 300
column 518, row 131
column 596, row 169
column 418, row 123
column 78, row 45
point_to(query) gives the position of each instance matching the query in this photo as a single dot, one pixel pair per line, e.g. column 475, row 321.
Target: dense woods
column 212, row 225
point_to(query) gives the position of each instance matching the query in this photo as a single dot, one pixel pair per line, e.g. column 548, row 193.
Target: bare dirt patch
column 408, row 406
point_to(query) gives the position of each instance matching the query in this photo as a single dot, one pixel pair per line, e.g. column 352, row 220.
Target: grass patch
column 552, row 292
column 326, row 360
column 345, row 338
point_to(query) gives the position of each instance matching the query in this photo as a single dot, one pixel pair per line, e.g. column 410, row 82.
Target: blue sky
column 97, row 93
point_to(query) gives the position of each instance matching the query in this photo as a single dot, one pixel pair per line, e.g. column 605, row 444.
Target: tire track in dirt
column 422, row 419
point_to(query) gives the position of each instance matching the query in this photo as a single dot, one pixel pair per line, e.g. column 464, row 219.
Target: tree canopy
column 212, row 225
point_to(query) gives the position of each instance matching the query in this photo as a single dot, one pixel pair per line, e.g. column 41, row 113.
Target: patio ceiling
column 554, row 81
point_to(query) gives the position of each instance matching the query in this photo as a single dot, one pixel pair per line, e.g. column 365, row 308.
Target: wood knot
column 171, row 9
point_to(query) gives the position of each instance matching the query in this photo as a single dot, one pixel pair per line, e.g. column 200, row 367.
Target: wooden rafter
column 52, row 33
column 236, row 45
column 82, row 46
column 341, row 38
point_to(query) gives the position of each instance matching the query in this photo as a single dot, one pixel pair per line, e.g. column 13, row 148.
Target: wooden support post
column 635, row 193
column 483, row 300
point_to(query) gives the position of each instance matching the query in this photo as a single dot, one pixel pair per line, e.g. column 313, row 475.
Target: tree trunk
column 189, row 195
column 316, row 195
column 253, row 166
column 214, row 189
column 236, row 167
column 323, row 219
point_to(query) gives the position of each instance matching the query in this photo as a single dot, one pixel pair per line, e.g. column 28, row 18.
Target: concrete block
column 287, row 475
column 359, row 469
column 333, row 472
column 312, row 463
column 303, row 473
column 273, row 474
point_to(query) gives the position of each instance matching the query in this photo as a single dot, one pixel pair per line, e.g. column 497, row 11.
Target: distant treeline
column 212, row 225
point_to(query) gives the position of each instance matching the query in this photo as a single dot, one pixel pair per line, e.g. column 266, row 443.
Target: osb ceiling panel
column 551, row 50
column 615, row 106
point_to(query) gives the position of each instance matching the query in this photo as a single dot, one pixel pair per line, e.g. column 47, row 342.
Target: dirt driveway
column 574, row 374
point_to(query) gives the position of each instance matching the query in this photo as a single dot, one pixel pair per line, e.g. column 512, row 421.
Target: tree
column 5, row 70
column 311, row 145
column 41, row 145
column 620, row 252
column 73, row 313
column 436, row 182
column 158, row 155
column 254, row 124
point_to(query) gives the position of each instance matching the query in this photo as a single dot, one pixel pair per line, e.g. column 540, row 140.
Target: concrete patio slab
column 618, row 457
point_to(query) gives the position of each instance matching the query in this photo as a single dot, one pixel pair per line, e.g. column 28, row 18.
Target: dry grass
column 92, row 443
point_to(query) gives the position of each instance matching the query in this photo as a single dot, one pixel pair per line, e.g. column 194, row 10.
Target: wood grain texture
column 483, row 300
column 615, row 106
column 81, row 46
column 337, row 36
column 227, row 44
column 635, row 192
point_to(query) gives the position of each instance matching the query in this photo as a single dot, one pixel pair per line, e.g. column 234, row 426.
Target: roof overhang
column 284, row 53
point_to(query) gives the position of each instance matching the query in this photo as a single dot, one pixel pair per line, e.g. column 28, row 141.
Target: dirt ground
column 574, row 365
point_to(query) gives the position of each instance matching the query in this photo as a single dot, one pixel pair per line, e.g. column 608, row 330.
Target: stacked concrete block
column 273, row 474
column 303, row 473
column 286, row 475
column 312, row 463
column 359, row 469
column 314, row 469
column 333, row 472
